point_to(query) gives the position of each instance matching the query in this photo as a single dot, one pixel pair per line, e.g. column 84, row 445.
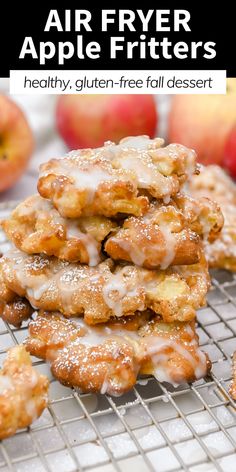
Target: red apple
column 229, row 160
column 16, row 142
column 203, row 122
column 88, row 120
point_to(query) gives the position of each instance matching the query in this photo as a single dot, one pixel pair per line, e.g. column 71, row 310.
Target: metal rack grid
column 152, row 428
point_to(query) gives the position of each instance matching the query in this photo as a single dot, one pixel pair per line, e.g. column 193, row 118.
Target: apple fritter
column 167, row 234
column 108, row 358
column 202, row 215
column 35, row 226
column 23, row 392
column 214, row 183
column 107, row 290
column 115, row 179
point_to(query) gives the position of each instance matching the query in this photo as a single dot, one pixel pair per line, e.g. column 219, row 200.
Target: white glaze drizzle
column 90, row 180
column 133, row 154
column 115, row 290
column 97, row 334
column 5, row 383
column 170, row 246
column 144, row 172
column 92, row 250
column 38, row 289
column 84, row 179
column 30, row 408
column 35, row 286
column 138, row 256
column 154, row 345
column 136, row 253
column 139, row 142
column 43, row 208
column 89, row 242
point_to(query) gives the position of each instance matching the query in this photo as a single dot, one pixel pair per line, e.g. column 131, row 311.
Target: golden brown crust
column 6, row 295
column 166, row 235
column 214, row 183
column 13, row 309
column 108, row 358
column 36, row 227
column 110, row 199
column 112, row 179
column 202, row 215
column 148, row 247
column 16, row 312
column 108, row 290
column 23, row 392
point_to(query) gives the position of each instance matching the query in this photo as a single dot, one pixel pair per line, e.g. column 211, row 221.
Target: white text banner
column 32, row 82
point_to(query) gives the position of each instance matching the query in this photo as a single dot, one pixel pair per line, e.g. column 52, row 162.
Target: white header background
column 117, row 82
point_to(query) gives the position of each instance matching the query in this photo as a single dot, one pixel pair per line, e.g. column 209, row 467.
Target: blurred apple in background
column 229, row 159
column 88, row 120
column 16, row 142
column 203, row 122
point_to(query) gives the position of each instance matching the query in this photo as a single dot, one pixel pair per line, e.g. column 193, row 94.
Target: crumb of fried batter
column 23, row 392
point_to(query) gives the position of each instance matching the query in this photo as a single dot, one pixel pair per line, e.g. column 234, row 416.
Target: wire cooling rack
column 152, row 428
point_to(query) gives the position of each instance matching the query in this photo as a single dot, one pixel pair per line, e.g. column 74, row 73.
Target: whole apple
column 16, row 142
column 229, row 159
column 88, row 120
column 203, row 122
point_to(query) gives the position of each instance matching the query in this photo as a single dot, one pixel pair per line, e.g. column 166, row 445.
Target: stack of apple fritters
column 110, row 255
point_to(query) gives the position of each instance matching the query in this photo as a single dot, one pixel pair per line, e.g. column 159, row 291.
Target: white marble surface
column 40, row 111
